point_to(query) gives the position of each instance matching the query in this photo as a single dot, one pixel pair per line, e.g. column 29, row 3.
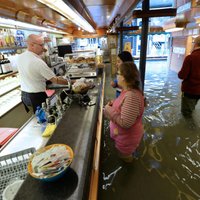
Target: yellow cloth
column 49, row 130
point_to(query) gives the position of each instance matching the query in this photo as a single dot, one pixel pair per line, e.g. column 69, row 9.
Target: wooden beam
column 154, row 13
column 130, row 28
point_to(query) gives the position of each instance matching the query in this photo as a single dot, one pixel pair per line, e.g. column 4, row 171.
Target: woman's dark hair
column 131, row 74
column 125, row 56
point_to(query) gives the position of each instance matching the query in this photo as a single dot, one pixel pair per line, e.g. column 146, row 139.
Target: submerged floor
column 167, row 164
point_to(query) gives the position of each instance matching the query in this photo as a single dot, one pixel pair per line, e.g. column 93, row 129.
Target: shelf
column 13, row 87
column 11, row 48
column 8, row 84
column 8, row 74
column 9, row 101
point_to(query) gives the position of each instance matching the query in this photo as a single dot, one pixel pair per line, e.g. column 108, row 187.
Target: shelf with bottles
column 2, row 49
column 9, row 84
column 11, row 38
column 9, row 101
column 3, row 76
column 5, row 64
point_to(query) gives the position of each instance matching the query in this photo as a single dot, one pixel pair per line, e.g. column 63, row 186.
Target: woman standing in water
column 125, row 112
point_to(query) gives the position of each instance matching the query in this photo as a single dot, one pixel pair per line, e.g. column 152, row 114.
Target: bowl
column 51, row 162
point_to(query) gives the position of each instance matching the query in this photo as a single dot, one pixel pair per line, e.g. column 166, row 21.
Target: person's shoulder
column 133, row 93
column 189, row 57
column 130, row 93
column 22, row 54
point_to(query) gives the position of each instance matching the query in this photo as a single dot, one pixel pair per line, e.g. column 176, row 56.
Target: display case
column 10, row 95
column 81, row 64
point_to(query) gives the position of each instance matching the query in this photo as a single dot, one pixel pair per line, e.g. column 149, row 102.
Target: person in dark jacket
column 190, row 74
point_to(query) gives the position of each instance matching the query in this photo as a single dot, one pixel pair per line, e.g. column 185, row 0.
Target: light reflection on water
column 167, row 164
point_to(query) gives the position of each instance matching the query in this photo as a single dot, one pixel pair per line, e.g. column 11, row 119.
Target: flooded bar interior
column 82, row 41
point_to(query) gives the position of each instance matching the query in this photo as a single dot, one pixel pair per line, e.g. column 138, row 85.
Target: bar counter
column 77, row 129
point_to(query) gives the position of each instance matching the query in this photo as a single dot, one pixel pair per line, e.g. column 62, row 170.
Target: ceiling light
column 65, row 10
column 7, row 26
column 173, row 29
column 174, row 24
column 9, row 23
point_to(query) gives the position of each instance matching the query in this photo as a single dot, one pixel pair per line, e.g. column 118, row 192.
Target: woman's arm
column 130, row 110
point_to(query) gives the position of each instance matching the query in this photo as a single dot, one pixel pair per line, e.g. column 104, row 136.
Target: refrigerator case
column 10, row 94
column 81, row 64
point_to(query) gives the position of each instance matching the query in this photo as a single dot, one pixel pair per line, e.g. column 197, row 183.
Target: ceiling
column 99, row 13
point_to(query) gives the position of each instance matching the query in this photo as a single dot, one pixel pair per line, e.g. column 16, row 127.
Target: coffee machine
column 51, row 56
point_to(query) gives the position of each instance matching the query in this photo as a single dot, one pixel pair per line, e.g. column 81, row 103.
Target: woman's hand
column 110, row 103
column 106, row 109
column 113, row 84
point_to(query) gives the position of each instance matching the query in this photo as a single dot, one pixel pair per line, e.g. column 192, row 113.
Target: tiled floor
column 167, row 164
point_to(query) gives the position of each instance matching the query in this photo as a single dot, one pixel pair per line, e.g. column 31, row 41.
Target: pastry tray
column 14, row 166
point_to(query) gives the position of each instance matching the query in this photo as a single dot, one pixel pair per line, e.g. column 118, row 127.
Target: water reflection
column 168, row 160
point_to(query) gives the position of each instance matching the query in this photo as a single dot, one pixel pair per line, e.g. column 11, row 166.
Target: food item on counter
column 80, row 86
column 80, row 60
column 49, row 162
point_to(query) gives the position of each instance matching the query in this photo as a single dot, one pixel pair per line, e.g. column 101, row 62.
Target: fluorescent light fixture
column 175, row 24
column 65, row 10
column 9, row 23
column 7, row 26
column 173, row 29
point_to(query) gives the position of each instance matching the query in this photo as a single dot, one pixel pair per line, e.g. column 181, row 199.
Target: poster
column 127, row 46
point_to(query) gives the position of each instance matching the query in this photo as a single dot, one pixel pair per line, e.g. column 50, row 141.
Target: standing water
column 167, row 163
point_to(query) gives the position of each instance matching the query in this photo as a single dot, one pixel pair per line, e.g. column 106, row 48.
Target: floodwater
column 167, row 163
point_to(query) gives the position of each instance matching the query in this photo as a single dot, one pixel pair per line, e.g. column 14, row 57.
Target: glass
column 118, row 73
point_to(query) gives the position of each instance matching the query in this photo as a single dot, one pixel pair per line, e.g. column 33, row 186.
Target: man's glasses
column 42, row 45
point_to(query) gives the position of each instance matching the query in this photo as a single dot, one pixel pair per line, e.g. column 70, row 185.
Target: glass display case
column 81, row 64
column 10, row 94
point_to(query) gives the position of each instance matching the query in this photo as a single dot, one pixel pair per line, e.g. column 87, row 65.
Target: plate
column 11, row 190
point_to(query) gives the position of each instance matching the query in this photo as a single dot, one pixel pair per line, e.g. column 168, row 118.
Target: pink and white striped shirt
column 125, row 116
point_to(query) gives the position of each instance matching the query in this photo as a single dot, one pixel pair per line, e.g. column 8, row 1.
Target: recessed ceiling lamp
column 173, row 29
column 9, row 23
column 65, row 10
column 174, row 25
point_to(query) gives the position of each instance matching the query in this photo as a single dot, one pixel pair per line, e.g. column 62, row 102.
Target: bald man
column 190, row 74
column 34, row 73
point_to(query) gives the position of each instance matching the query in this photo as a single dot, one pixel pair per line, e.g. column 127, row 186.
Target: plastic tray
column 14, row 166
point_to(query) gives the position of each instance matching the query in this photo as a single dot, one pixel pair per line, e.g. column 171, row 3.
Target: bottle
column 40, row 115
column 6, row 65
column 1, row 59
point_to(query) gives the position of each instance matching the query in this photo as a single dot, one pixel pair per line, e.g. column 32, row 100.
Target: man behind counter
column 34, row 73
